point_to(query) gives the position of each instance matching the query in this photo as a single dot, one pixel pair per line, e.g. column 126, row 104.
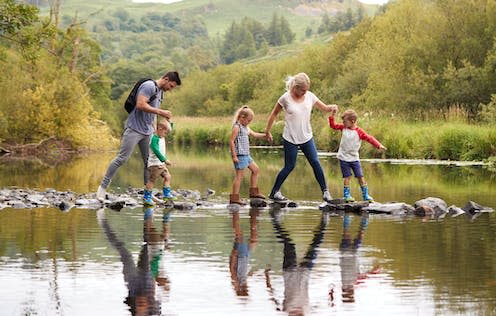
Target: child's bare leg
column 362, row 181
column 149, row 186
column 254, row 174
column 167, row 179
column 346, row 181
column 237, row 181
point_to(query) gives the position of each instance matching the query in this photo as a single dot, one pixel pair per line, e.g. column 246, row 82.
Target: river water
column 214, row 261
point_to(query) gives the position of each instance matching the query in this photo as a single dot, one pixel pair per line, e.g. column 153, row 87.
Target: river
column 214, row 261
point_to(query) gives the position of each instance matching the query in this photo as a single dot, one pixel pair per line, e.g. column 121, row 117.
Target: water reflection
column 349, row 258
column 241, row 250
column 142, row 278
column 296, row 275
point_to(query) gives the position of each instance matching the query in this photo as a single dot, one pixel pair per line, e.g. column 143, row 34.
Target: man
column 140, row 125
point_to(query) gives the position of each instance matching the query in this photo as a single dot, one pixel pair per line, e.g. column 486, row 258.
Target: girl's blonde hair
column 299, row 80
column 349, row 115
column 243, row 111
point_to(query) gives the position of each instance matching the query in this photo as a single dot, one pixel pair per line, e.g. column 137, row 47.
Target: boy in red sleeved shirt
column 349, row 146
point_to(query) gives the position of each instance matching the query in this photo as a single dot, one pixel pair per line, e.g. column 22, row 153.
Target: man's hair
column 173, row 76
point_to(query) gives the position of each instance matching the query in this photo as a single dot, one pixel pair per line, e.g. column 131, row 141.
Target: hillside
column 217, row 14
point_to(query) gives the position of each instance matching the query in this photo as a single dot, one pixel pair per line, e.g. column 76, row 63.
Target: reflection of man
column 349, row 260
column 296, row 276
column 238, row 261
column 138, row 278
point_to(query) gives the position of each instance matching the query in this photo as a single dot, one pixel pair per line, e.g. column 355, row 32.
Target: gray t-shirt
column 140, row 121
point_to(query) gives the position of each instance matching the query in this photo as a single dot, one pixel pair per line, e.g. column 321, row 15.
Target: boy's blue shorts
column 244, row 162
column 348, row 166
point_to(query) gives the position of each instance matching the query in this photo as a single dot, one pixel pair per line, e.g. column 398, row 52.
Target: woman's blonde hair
column 299, row 80
column 243, row 111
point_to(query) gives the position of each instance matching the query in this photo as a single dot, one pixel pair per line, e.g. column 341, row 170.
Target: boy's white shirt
column 297, row 128
column 152, row 158
column 349, row 146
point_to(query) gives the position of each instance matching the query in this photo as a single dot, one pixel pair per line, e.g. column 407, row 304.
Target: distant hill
column 217, row 14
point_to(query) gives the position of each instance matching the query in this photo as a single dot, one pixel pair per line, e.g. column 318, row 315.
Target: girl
column 240, row 152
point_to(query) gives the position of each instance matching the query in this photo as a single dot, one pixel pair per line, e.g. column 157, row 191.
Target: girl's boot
column 347, row 195
column 147, row 198
column 254, row 193
column 234, row 199
column 365, row 194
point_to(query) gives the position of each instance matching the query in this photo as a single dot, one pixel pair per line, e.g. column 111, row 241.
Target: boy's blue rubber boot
column 147, row 198
column 365, row 194
column 166, row 191
column 347, row 195
column 346, row 221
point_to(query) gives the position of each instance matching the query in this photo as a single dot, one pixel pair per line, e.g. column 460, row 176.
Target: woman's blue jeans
column 290, row 155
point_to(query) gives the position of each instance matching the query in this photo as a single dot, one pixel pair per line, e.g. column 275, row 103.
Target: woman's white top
column 297, row 128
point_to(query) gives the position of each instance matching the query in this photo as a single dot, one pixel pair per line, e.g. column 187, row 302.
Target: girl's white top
column 297, row 128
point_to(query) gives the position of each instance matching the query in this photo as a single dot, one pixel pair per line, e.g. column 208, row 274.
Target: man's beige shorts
column 158, row 171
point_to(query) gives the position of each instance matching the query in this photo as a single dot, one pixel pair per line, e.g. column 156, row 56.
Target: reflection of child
column 348, row 152
column 238, row 261
column 240, row 152
column 349, row 259
column 157, row 161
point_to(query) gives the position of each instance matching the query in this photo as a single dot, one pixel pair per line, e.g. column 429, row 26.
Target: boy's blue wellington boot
column 147, row 198
column 166, row 191
column 347, row 195
column 365, row 194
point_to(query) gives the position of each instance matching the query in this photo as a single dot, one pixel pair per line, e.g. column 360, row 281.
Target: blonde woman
column 297, row 103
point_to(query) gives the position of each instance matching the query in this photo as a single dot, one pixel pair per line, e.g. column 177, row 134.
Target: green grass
column 404, row 140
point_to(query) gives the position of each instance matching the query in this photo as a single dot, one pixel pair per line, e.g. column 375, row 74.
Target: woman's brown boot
column 254, row 193
column 234, row 199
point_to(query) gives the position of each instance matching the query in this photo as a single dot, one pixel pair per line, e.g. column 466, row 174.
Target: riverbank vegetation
column 421, row 75
column 437, row 139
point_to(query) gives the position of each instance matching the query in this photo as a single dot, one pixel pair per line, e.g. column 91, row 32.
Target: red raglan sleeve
column 335, row 125
column 369, row 138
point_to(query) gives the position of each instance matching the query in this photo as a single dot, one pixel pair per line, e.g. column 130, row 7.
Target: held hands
column 332, row 109
column 268, row 136
column 168, row 162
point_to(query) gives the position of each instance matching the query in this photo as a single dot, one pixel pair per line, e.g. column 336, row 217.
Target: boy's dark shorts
column 348, row 166
column 158, row 171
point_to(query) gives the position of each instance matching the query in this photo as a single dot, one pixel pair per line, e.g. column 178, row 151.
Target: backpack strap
column 153, row 97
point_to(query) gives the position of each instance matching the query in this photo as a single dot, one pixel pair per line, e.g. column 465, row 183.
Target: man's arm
column 142, row 104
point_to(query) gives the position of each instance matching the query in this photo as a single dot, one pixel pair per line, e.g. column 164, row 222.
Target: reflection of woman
column 138, row 278
column 296, row 276
column 238, row 261
column 349, row 260
column 297, row 104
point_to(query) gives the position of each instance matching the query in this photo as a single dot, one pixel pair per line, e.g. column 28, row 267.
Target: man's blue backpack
column 130, row 102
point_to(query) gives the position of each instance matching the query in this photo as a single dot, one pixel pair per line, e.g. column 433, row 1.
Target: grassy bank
column 407, row 140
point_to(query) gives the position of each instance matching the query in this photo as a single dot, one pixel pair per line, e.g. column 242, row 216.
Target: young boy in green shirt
column 158, row 162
